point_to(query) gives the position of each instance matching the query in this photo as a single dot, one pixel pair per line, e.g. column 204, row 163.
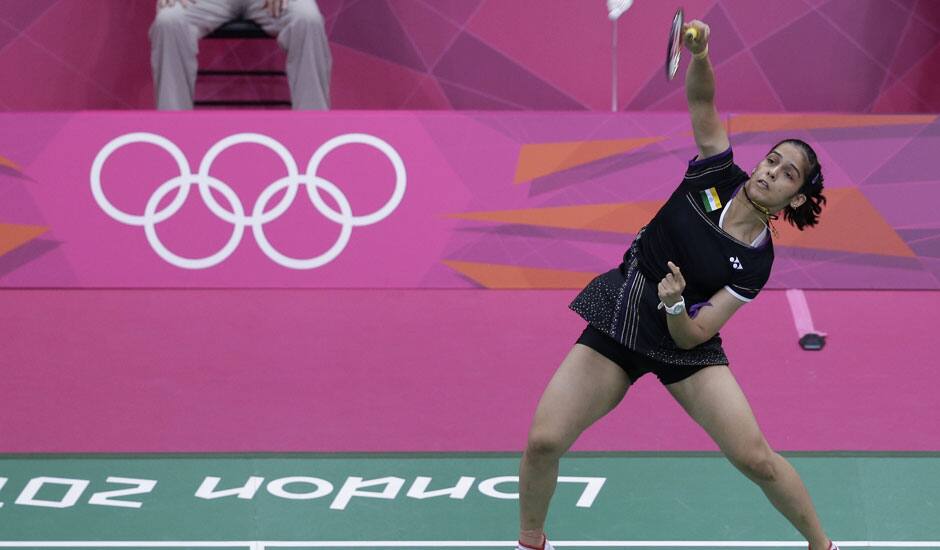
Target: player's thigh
column 713, row 398
column 585, row 387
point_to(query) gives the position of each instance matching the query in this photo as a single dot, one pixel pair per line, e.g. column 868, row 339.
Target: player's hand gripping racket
column 674, row 47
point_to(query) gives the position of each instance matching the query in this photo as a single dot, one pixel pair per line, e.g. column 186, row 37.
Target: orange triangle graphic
column 517, row 277
column 9, row 163
column 13, row 236
column 847, row 210
column 772, row 122
column 848, row 223
column 615, row 218
column 541, row 159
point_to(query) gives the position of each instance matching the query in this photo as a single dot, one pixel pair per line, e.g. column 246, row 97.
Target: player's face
column 779, row 176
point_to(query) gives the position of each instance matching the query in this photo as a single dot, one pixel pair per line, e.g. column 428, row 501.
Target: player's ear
column 797, row 201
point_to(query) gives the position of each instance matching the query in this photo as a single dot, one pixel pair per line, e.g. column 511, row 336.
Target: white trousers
column 174, row 44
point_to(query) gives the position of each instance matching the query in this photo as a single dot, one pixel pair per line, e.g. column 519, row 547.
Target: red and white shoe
column 545, row 545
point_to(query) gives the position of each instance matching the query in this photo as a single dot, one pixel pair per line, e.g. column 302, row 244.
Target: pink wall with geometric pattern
column 478, row 200
column 864, row 56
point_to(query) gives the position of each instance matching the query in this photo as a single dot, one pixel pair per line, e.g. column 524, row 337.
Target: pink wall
column 799, row 55
column 492, row 200
column 287, row 370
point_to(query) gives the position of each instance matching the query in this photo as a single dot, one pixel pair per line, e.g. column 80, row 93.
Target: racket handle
column 691, row 33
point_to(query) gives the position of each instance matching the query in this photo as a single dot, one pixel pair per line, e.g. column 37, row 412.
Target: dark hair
column 807, row 214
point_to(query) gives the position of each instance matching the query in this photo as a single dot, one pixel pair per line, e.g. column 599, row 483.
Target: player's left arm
column 688, row 332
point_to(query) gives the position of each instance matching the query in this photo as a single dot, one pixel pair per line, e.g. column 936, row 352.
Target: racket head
column 674, row 45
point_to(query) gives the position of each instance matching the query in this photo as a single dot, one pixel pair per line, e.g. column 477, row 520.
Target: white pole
column 615, row 8
column 613, row 68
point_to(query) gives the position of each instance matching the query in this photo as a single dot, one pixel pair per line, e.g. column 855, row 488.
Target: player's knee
column 544, row 444
column 306, row 14
column 758, row 463
column 170, row 18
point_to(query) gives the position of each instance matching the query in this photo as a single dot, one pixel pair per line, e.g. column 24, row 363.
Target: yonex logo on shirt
column 735, row 262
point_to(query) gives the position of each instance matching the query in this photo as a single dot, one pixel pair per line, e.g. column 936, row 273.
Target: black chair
column 241, row 29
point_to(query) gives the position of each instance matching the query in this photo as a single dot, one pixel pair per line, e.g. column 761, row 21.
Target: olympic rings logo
column 235, row 214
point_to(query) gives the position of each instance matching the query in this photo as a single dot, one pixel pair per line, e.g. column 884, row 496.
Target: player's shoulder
column 760, row 261
column 700, row 167
column 718, row 170
column 750, row 271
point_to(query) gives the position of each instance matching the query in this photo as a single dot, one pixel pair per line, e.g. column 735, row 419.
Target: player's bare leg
column 585, row 387
column 713, row 398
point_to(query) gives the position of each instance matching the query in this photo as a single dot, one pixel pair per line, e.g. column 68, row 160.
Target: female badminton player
column 705, row 254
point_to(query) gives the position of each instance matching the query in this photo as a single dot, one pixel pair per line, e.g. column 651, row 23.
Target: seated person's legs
column 174, row 38
column 301, row 31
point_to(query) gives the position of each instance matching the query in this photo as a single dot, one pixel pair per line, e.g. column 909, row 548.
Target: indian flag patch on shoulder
column 710, row 200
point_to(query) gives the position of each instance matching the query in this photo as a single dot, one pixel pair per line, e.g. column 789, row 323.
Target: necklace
column 768, row 223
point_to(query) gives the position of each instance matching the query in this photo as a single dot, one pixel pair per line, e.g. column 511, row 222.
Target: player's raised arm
column 710, row 135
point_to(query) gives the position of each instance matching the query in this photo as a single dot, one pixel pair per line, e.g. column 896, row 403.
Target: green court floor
column 444, row 501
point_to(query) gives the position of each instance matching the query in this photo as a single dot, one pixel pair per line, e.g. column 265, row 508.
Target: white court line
column 260, row 545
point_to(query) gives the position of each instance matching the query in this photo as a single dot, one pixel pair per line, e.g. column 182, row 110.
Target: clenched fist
column 671, row 287
column 700, row 42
